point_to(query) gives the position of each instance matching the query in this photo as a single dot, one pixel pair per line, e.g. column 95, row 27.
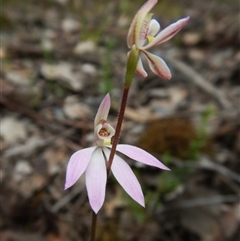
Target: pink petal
column 127, row 179
column 168, row 32
column 77, row 165
column 140, row 155
column 158, row 65
column 103, row 110
column 96, row 179
column 140, row 70
column 138, row 21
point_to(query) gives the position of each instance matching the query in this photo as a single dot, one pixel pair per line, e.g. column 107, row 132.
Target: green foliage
column 106, row 84
column 167, row 182
column 56, row 89
column 197, row 144
column 47, row 55
column 174, row 133
column 138, row 211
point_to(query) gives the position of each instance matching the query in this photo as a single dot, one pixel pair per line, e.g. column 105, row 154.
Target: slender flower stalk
column 131, row 68
column 118, row 128
column 94, row 225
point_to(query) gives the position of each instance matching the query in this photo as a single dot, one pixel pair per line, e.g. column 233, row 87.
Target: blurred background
column 58, row 59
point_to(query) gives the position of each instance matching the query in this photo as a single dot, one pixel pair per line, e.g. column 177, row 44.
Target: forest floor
column 58, row 60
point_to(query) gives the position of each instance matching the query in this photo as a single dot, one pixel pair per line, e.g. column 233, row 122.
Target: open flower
column 144, row 33
column 93, row 162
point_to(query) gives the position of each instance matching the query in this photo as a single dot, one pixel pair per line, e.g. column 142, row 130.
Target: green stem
column 93, row 227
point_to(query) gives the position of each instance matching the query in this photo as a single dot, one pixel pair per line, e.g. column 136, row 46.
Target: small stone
column 177, row 95
column 63, row 72
column 13, row 130
column 123, row 21
column 74, row 109
column 89, row 69
column 70, row 25
column 17, row 78
column 191, row 38
column 85, row 47
column 23, row 168
column 47, row 45
column 197, row 54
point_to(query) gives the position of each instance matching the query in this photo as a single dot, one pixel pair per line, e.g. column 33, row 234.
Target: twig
column 199, row 81
column 204, row 201
column 210, row 165
column 53, row 124
column 12, row 105
column 66, row 199
column 31, row 146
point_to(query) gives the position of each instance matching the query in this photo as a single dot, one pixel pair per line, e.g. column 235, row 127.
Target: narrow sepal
column 158, row 66
column 140, row 69
column 103, row 110
column 96, row 179
column 126, row 178
column 140, row 155
column 77, row 165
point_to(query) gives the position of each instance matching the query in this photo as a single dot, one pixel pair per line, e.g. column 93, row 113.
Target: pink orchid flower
column 93, row 161
column 144, row 33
